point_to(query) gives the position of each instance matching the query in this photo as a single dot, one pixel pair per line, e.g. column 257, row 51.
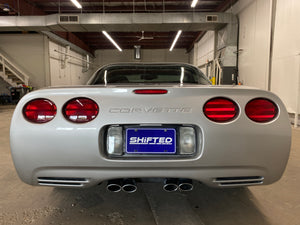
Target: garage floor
column 269, row 205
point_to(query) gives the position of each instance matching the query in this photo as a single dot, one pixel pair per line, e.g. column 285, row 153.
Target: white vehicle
column 139, row 122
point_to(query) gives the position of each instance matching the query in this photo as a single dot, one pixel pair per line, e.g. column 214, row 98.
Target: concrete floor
column 276, row 204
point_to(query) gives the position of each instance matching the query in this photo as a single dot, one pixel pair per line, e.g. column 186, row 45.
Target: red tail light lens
column 220, row 110
column 150, row 91
column 39, row 110
column 261, row 110
column 80, row 110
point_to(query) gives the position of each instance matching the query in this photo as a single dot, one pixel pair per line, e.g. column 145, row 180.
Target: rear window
column 136, row 74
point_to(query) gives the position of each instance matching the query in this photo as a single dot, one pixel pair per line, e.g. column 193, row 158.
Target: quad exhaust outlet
column 126, row 185
column 174, row 184
column 169, row 185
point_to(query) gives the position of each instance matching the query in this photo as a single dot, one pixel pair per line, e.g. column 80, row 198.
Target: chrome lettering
column 151, row 110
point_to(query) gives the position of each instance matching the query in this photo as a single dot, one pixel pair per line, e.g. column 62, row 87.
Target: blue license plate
column 150, row 141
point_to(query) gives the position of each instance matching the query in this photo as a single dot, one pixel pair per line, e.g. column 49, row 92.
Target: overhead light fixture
column 194, row 3
column 137, row 52
column 76, row 3
column 175, row 40
column 111, row 40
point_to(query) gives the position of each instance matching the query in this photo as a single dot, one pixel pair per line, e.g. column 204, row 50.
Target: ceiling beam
column 128, row 1
column 198, row 38
column 225, row 5
column 23, row 7
column 74, row 40
column 122, row 9
column 135, row 34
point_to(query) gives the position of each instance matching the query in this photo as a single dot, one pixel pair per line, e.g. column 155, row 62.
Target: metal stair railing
column 216, row 72
column 11, row 73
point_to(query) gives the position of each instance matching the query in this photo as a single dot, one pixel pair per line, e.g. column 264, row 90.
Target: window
column 149, row 74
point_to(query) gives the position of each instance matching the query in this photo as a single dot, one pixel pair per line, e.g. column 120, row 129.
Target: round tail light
column 80, row 110
column 261, row 110
column 39, row 110
column 220, row 110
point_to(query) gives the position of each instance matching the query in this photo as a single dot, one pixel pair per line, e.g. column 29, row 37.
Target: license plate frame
column 153, row 141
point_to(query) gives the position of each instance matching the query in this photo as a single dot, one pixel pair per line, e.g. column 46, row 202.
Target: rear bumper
column 213, row 177
column 235, row 158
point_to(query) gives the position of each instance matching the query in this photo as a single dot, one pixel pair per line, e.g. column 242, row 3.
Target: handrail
column 216, row 70
column 15, row 70
column 219, row 69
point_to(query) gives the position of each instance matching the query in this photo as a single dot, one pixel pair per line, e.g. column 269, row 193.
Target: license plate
column 150, row 141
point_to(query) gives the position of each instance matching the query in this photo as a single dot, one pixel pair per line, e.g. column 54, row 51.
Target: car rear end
column 220, row 136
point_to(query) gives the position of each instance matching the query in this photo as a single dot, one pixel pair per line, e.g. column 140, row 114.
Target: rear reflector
column 220, row 110
column 80, row 110
column 39, row 110
column 261, row 110
column 150, row 91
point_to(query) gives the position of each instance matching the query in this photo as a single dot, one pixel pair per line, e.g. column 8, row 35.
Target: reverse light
column 261, row 110
column 220, row 110
column 150, row 91
column 39, row 110
column 80, row 110
column 187, row 140
column 114, row 141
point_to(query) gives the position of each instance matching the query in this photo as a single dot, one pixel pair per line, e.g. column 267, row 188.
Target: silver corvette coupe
column 150, row 122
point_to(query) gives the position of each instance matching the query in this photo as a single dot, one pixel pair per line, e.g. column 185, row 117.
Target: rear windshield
column 130, row 74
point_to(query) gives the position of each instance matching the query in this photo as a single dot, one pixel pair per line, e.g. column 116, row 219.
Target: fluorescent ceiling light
column 194, row 3
column 76, row 3
column 111, row 40
column 175, row 40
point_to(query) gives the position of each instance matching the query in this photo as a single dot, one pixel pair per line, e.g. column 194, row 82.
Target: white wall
column 27, row 51
column 286, row 53
column 157, row 55
column 204, row 49
column 70, row 74
column 254, row 42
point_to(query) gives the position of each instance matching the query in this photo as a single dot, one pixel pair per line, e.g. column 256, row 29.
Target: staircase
column 213, row 71
column 11, row 73
column 216, row 72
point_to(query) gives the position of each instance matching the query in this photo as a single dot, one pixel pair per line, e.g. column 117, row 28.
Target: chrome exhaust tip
column 129, row 186
column 114, row 185
column 185, row 185
column 170, row 185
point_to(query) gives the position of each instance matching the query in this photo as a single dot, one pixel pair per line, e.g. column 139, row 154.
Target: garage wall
column 27, row 51
column 286, row 54
column 254, row 42
column 73, row 73
column 157, row 55
column 3, row 87
column 204, row 50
